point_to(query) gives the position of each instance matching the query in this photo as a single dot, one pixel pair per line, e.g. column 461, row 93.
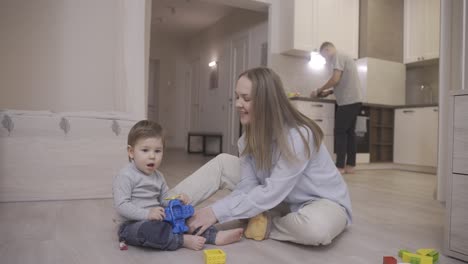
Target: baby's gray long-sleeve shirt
column 135, row 193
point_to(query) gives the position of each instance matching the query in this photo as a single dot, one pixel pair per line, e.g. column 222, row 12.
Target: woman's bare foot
column 228, row 236
column 341, row 170
column 194, row 242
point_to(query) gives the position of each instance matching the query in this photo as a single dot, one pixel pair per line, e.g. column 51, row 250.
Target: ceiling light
column 212, row 64
column 316, row 61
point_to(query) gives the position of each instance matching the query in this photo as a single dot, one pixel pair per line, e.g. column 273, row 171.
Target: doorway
column 153, row 90
column 239, row 63
column 194, row 109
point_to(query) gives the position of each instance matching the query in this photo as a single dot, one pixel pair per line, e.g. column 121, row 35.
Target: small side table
column 206, row 136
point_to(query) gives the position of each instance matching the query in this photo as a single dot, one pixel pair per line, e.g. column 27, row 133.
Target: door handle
column 408, row 111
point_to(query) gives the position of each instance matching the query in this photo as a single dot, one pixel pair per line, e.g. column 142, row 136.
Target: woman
column 282, row 161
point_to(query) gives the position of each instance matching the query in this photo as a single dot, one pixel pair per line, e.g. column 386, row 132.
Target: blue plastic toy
column 176, row 213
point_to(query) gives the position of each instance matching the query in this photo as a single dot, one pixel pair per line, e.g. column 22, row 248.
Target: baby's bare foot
column 194, row 242
column 228, row 236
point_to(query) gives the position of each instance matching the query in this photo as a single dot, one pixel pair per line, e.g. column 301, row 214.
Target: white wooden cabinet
column 415, row 136
column 459, row 214
column 324, row 115
column 305, row 24
column 460, row 135
column 456, row 231
column 421, row 30
column 382, row 82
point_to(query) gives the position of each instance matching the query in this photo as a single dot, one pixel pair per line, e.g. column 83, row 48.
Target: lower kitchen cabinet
column 416, row 136
column 323, row 114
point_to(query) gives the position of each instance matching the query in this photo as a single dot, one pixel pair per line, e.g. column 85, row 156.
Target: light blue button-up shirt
column 295, row 183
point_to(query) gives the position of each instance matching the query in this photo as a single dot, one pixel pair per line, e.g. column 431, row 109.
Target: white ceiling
column 185, row 18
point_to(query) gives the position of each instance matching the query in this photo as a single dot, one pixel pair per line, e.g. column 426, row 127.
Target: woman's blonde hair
column 273, row 116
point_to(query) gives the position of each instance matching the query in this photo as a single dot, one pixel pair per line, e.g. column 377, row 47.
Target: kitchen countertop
column 416, row 105
column 332, row 101
column 318, row 100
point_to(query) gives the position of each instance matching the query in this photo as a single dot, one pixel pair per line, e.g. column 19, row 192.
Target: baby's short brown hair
column 145, row 129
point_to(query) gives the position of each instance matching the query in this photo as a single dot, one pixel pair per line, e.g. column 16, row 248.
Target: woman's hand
column 156, row 213
column 201, row 220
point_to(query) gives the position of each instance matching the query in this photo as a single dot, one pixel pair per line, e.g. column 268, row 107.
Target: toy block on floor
column 214, row 256
column 389, row 260
column 416, row 258
column 429, row 252
column 401, row 251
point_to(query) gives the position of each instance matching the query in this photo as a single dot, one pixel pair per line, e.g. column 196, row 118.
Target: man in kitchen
column 344, row 83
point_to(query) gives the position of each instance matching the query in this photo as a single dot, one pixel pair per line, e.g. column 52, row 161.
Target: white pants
column 316, row 223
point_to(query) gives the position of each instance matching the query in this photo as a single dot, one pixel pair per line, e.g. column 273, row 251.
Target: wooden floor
column 392, row 210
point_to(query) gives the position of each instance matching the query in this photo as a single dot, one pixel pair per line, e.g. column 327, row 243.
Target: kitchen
column 398, row 86
column 391, row 75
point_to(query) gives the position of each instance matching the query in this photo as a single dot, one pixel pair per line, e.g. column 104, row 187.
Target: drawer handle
column 408, row 111
column 317, row 105
column 318, row 120
column 435, row 110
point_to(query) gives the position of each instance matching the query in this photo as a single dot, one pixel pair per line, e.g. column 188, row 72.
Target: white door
column 188, row 101
column 153, row 90
column 239, row 55
column 194, row 95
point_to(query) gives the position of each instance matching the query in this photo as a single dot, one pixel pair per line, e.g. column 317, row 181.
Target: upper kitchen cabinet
column 382, row 81
column 305, row 24
column 421, row 30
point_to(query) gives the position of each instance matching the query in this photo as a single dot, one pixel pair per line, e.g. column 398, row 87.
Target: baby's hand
column 156, row 213
column 184, row 198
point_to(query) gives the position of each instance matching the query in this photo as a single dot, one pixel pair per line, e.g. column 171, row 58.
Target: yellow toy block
column 291, row 94
column 214, row 256
column 430, row 252
column 416, row 258
column 172, row 197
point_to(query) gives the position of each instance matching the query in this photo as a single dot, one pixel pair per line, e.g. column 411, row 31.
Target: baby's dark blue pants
column 157, row 234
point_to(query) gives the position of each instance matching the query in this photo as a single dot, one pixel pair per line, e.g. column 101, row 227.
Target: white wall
column 424, row 75
column 297, row 75
column 73, row 55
